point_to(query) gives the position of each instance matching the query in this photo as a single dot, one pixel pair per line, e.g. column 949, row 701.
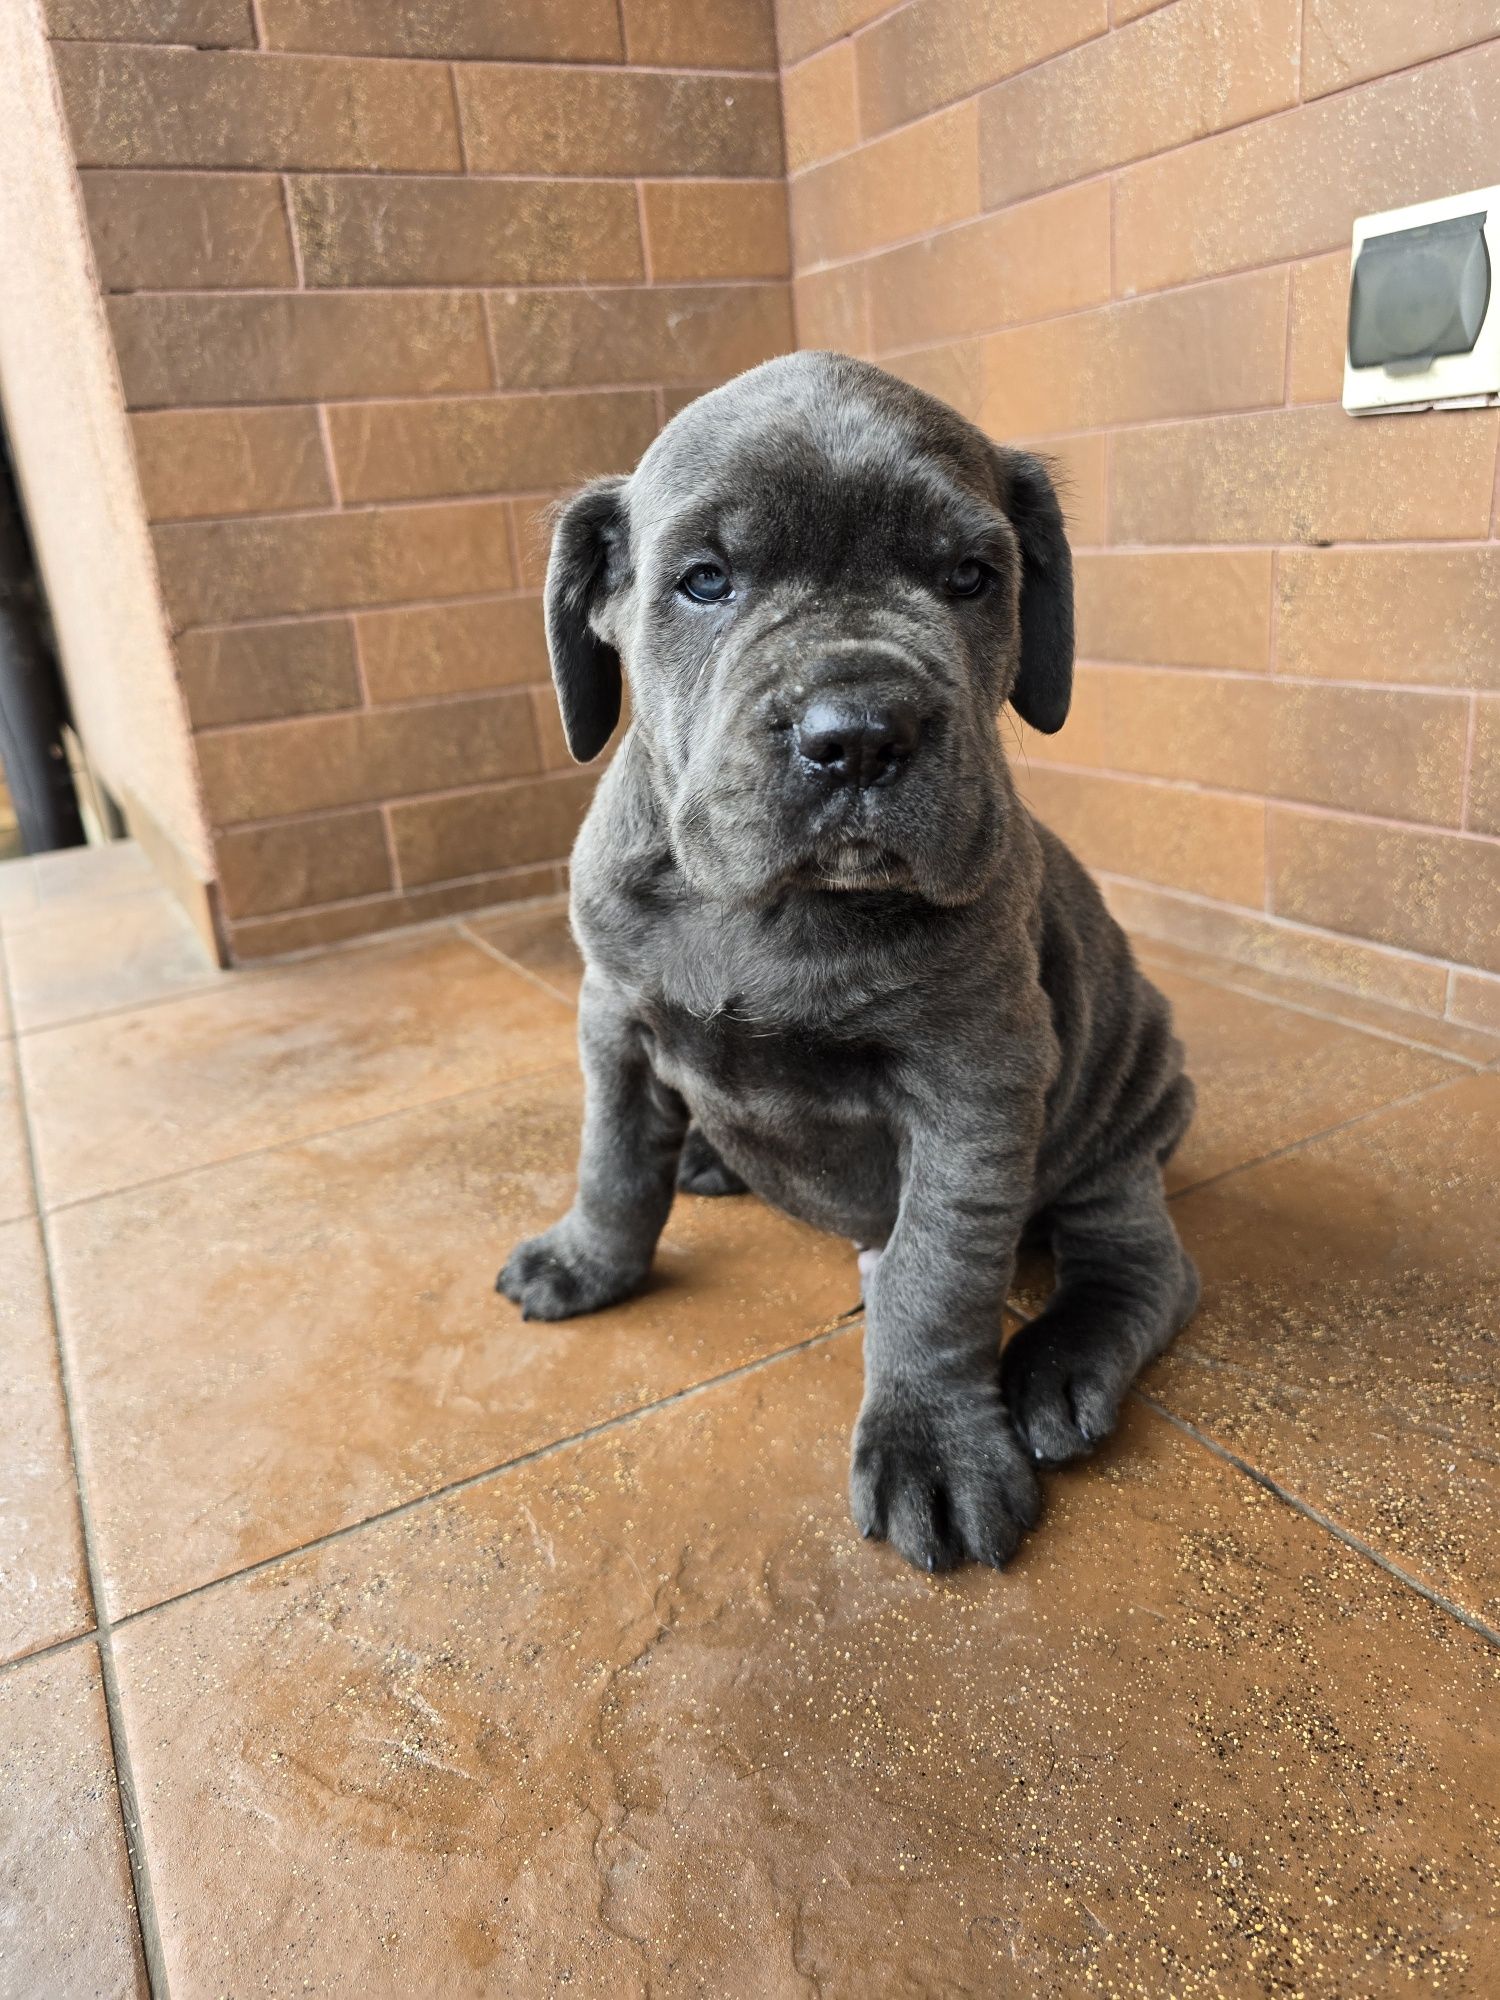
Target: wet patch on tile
column 646, row 1715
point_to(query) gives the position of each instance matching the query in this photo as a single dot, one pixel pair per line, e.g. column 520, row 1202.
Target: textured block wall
column 384, row 275
column 1120, row 232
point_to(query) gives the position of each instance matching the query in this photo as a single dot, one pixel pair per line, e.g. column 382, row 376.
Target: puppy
column 830, row 955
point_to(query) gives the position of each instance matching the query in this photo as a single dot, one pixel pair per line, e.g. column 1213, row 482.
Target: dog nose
column 854, row 745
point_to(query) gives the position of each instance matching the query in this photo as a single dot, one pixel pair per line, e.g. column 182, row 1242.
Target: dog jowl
column 831, row 957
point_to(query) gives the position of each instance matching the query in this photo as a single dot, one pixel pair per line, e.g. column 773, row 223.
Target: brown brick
column 441, row 231
column 1422, row 615
column 437, row 649
column 437, row 839
column 217, row 572
column 550, row 734
column 1320, row 319
column 204, row 24
column 716, row 229
column 931, row 52
column 534, row 519
column 1267, row 942
column 322, row 761
column 830, row 309
column 1291, row 186
column 1202, row 350
column 1310, row 474
column 1347, row 41
column 263, row 869
column 1437, row 893
column 1484, row 770
column 953, row 372
column 1042, row 257
column 335, row 923
column 196, row 462
column 173, row 232
column 576, row 336
column 485, row 445
column 1206, row 842
column 296, row 346
column 805, row 25
column 1370, row 750
column 535, row 120
column 1207, row 729
column 524, row 30
column 1193, row 609
column 700, row 34
column 818, row 107
column 1080, row 470
column 136, row 107
column 1475, row 1000
column 906, row 184
column 254, row 673
column 1192, row 68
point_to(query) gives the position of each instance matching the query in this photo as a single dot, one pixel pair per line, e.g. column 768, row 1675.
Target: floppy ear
column 588, row 546
column 1044, row 685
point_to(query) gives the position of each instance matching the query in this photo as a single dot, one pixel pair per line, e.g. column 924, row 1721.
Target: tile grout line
column 125, row 1786
column 1327, row 1132
column 514, row 965
column 1319, row 1518
column 437, row 1494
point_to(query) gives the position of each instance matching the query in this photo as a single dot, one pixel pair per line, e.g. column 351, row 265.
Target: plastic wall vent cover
column 1424, row 321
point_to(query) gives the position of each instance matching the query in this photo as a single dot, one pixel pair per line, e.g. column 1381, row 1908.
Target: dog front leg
column 937, row 1468
column 633, row 1130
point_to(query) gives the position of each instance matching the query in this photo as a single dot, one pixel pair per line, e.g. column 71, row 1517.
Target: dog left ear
column 1044, row 685
column 588, row 546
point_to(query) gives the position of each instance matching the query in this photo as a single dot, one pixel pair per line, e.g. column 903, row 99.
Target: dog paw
column 1063, row 1390
column 701, row 1171
column 550, row 1278
column 943, row 1480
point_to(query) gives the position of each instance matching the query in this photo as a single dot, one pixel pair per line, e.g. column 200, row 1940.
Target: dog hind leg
column 701, row 1171
column 1125, row 1286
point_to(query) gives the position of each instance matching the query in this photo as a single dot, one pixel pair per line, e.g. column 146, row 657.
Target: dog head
column 823, row 584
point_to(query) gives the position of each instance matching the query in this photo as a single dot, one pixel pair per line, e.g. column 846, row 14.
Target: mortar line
column 515, row 965
column 1316, row 1515
column 144, row 1898
column 820, row 1337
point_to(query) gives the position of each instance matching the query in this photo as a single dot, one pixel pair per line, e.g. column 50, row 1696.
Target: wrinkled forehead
column 815, row 492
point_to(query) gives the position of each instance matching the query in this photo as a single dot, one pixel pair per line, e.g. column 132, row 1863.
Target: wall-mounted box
column 1424, row 306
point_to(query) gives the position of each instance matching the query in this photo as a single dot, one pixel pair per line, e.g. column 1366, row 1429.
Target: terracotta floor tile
column 91, row 874
column 129, row 1097
column 18, row 894
column 77, row 959
column 1268, row 1076
column 646, row 1715
column 332, row 1343
column 7, row 1024
column 67, row 1916
column 16, row 1194
column 1347, row 1339
column 540, row 941
column 44, row 1592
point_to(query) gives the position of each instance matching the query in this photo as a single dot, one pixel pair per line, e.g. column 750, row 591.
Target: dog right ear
column 587, row 561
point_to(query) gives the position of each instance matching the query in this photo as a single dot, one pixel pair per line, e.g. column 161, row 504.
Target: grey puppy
column 830, row 955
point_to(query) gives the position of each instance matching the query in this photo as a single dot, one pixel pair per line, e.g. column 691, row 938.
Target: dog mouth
column 858, row 864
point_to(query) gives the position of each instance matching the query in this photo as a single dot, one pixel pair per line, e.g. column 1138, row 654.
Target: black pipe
column 33, row 703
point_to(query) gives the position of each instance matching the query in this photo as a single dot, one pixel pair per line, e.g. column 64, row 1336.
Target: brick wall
column 382, row 276
column 1120, row 232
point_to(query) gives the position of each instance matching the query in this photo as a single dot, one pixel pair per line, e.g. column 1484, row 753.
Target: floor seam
column 1316, row 1515
column 34, row 1653
column 1324, row 1132
column 819, row 1337
column 147, row 1928
column 304, row 1138
column 514, row 965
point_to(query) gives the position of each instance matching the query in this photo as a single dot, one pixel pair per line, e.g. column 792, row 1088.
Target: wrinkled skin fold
column 894, row 1006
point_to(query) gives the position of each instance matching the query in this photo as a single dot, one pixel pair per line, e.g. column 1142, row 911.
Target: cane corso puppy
column 831, row 957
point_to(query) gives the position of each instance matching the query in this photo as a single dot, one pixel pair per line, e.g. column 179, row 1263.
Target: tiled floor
column 380, row 1644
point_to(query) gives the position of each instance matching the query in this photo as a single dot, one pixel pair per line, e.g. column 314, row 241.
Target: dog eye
column 967, row 579
column 706, row 583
